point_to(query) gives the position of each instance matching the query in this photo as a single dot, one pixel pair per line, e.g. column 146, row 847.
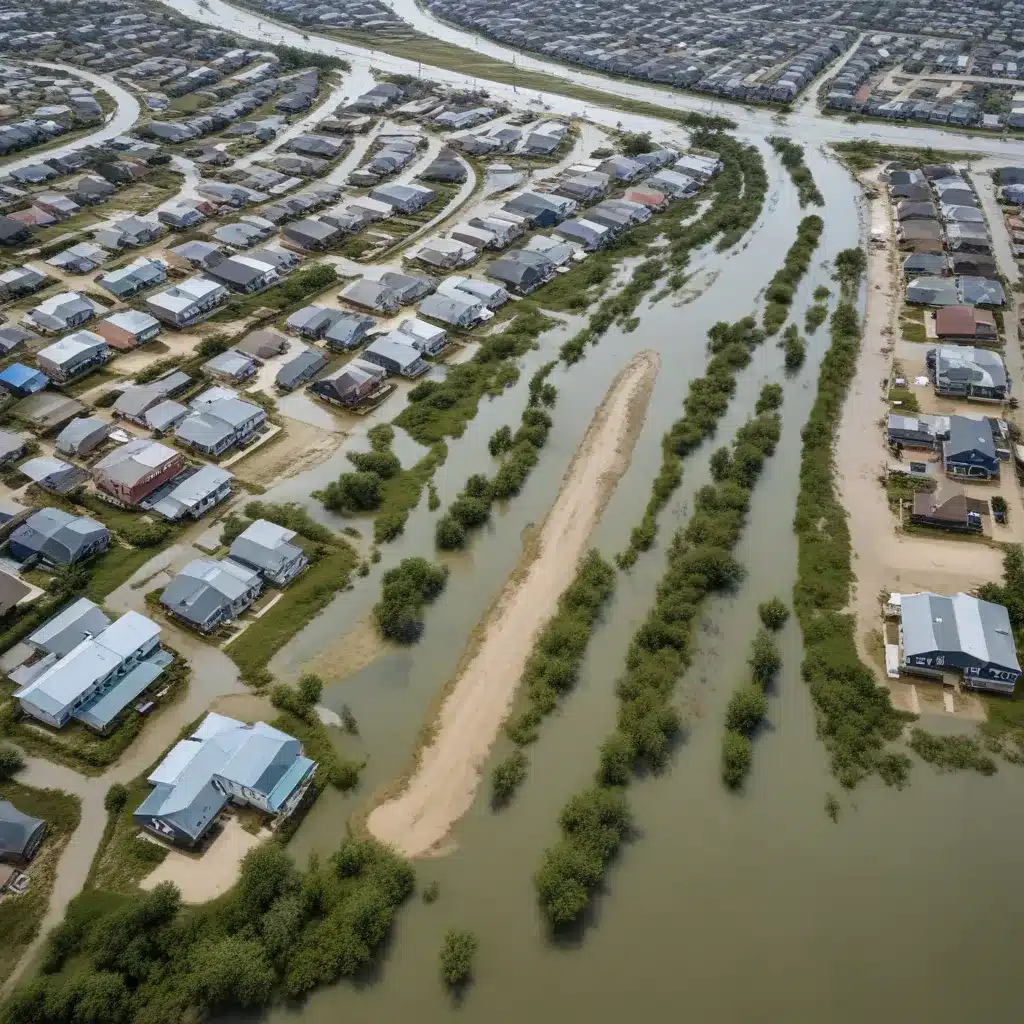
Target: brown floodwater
column 726, row 908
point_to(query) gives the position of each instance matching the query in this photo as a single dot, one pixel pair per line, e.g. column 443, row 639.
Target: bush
column 721, row 463
column 507, row 775
column 457, row 955
column 765, row 660
column 736, row 757
column 405, row 589
column 748, row 707
column 449, row 534
column 353, row 492
column 12, row 761
column 115, row 798
column 469, row 512
column 773, row 613
column 384, row 463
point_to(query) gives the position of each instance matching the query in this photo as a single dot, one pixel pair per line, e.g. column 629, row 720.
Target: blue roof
column 18, row 375
column 288, row 782
column 115, row 700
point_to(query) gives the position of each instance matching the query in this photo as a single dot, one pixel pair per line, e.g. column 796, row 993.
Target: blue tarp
column 18, row 377
column 114, row 701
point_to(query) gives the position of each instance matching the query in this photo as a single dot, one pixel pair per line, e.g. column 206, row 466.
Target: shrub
column 747, row 708
column 765, row 660
column 449, row 534
column 507, row 775
column 736, row 757
column 721, row 464
column 469, row 512
column 12, row 761
column 457, row 955
column 773, row 613
column 115, row 798
column 353, row 492
column 384, row 463
column 405, row 589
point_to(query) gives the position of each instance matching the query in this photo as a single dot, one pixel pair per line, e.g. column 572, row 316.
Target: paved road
column 118, row 123
column 809, row 126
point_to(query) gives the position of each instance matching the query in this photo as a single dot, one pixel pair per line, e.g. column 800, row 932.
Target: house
column 20, row 834
column 58, row 538
column 243, row 274
column 927, row 264
column 52, row 474
column 73, row 355
column 395, row 357
column 194, row 495
column 137, row 276
column 932, row 291
column 980, row 291
column 82, row 435
column 219, row 420
column 970, row 451
column 13, row 232
column 356, row 382
column 208, row 592
column 59, row 313
column 406, row 198
column 97, row 679
column 521, row 270
column 968, row 373
column 231, row 366
column 123, row 331
column 426, row 338
column 303, row 367
column 408, row 287
column 20, row 281
column 954, row 512
column 311, row 234
column 74, row 623
column 180, row 216
column 267, row 548
column 253, row 765
column 263, row 344
column 457, row 311
column 12, row 592
column 12, row 447
column 961, row 633
column 537, row 209
column 198, row 254
column 184, row 304
column 136, row 469
column 672, row 183
column 373, row 295
column 129, row 232
column 11, row 337
column 164, row 416
column 83, row 258
column 493, row 296
column 966, row 324
column 136, row 399
column 587, row 233
column 703, row 168
column 21, row 380
column 446, row 254
column 48, row 411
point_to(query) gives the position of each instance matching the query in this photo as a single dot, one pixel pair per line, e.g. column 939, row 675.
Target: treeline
column 279, row 931
column 700, row 562
column 705, row 404
column 737, row 198
column 748, row 706
column 792, row 154
column 519, row 451
column 554, row 663
column 404, row 592
column 855, row 716
column 782, row 287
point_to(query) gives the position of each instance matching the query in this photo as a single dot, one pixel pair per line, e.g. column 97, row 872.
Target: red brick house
column 137, row 469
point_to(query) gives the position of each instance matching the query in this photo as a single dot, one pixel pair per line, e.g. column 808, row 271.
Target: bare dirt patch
column 301, row 447
column 444, row 781
column 350, row 653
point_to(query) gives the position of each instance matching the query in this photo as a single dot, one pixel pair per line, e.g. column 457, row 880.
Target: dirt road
column 443, row 784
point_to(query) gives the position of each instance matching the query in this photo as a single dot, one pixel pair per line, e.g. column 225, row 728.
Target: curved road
column 118, row 123
column 808, row 126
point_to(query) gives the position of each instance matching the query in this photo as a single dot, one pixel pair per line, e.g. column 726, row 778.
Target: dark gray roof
column 19, row 832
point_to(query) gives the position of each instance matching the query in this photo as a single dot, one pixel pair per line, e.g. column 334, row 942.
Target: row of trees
column 472, row 507
column 782, row 286
column 748, row 706
column 279, row 930
column 855, row 716
column 700, row 562
column 792, row 154
column 707, row 399
column 554, row 663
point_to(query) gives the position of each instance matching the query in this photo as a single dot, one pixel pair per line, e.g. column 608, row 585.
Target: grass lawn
column 906, row 399
column 902, row 487
column 88, row 381
column 20, row 915
column 912, row 324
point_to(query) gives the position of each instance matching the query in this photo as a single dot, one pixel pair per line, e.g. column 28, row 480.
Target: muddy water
column 727, row 908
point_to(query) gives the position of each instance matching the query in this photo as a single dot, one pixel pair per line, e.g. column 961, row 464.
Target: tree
column 384, row 463
column 721, row 463
column 449, row 534
column 11, row 762
column 457, row 955
column 353, row 492
column 736, row 757
column 635, row 143
column 765, row 660
column 115, row 799
column 773, row 613
column 469, row 511
column 311, row 686
column 230, row 971
column 500, row 442
column 747, row 708
column 507, row 775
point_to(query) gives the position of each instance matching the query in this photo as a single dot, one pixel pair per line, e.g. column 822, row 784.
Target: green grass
column 88, row 381
column 303, row 599
column 906, row 398
column 21, row 916
column 912, row 324
column 864, row 154
column 901, row 487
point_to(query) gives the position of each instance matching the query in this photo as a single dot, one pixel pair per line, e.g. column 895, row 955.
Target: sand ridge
column 444, row 782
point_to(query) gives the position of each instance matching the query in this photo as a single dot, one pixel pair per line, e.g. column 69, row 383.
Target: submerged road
column 118, row 123
column 808, row 126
